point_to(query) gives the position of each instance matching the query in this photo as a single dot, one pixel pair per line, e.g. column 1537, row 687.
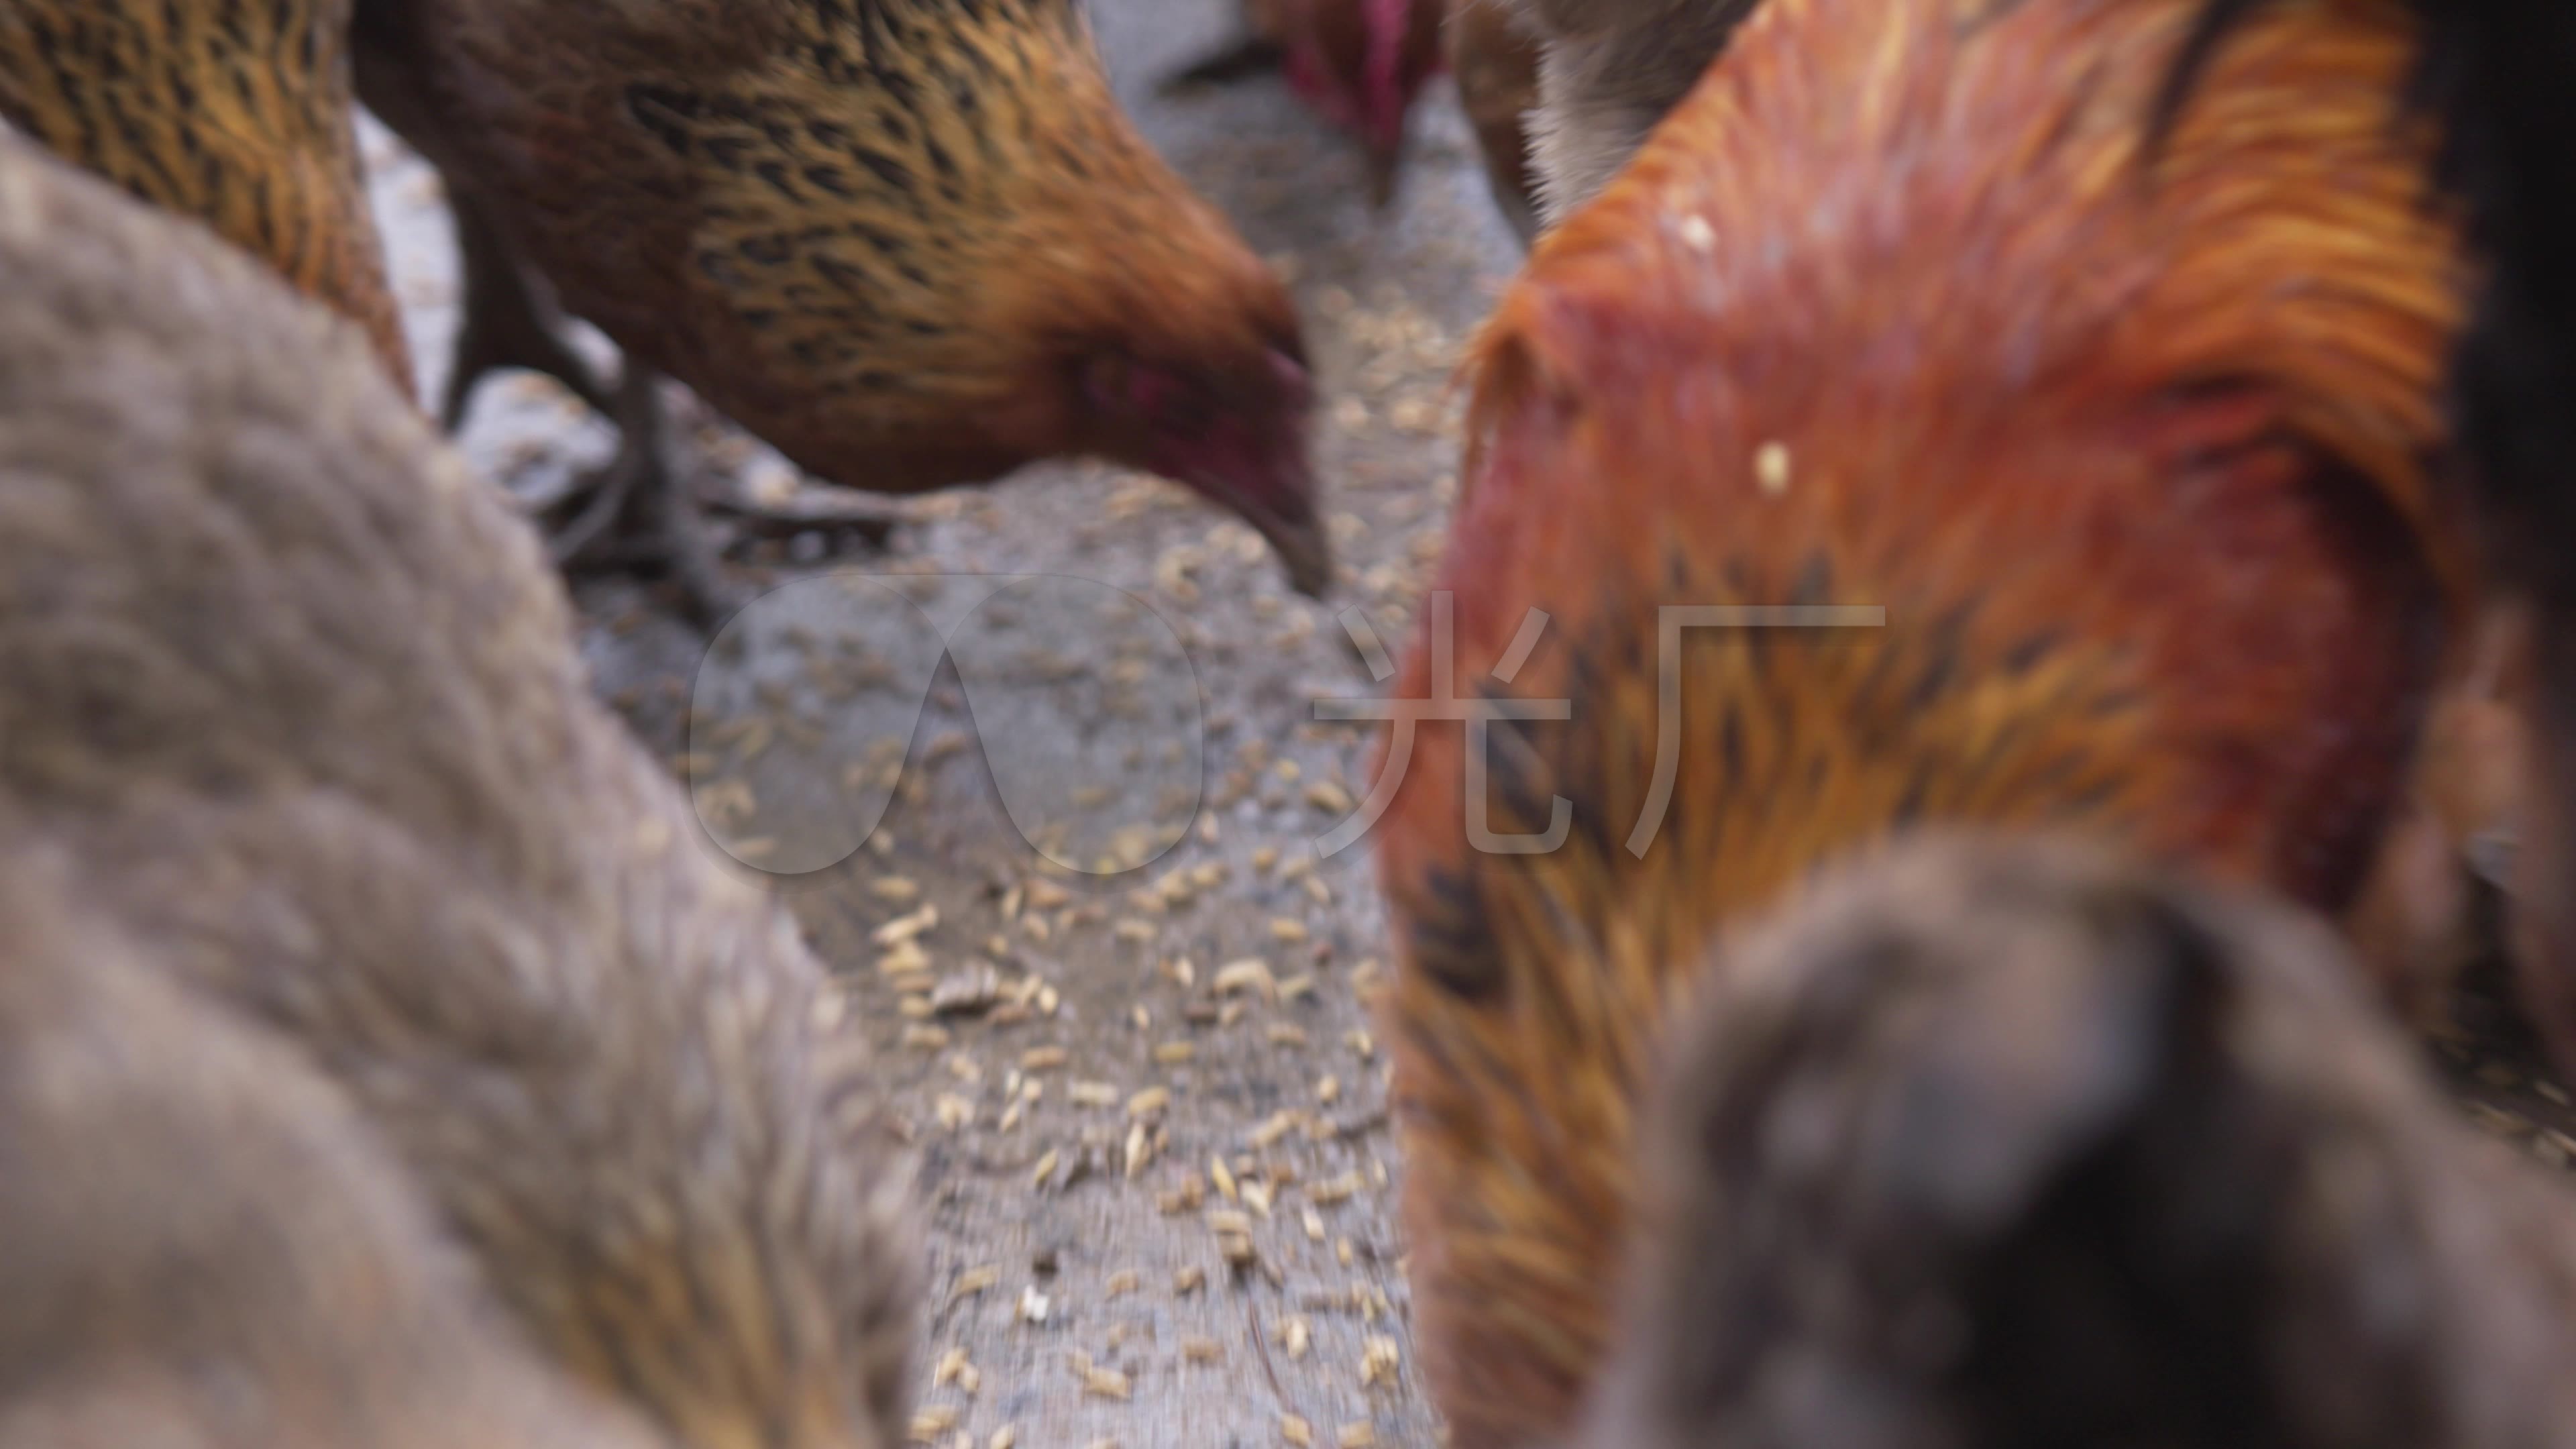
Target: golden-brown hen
column 297, row 696
column 1884, row 318
column 909, row 244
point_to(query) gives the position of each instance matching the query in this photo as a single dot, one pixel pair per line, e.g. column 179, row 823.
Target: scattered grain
column 906, row 928
column 1250, row 974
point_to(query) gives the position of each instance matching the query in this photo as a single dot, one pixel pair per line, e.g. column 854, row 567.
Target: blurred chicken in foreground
column 296, row 696
column 1882, row 318
column 2015, row 1143
column 1359, row 63
column 2495, row 76
column 206, row 1247
column 910, row 244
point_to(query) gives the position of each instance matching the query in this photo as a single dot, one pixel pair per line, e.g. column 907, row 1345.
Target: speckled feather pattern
column 235, row 112
column 882, row 234
column 298, row 693
column 1887, row 314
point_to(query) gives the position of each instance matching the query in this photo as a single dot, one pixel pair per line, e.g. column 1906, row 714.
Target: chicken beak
column 1257, row 464
column 1304, row 547
column 1274, row 491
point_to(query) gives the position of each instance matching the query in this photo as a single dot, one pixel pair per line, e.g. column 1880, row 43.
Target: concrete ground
column 1097, row 1068
column 1089, row 1062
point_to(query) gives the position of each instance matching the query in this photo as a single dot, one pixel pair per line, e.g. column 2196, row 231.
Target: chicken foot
column 639, row 512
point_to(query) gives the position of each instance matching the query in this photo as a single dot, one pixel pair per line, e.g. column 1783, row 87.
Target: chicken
column 1607, row 71
column 296, row 696
column 1495, row 58
column 909, row 244
column 511, row 319
column 238, row 115
column 2014, row 1143
column 1882, row 319
column 2495, row 75
column 206, row 1246
column 1359, row 63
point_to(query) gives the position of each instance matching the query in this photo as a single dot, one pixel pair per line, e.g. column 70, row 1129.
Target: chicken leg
column 511, row 319
column 639, row 513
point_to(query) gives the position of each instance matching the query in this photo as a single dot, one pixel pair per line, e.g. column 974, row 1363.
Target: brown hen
column 1884, row 318
column 909, row 244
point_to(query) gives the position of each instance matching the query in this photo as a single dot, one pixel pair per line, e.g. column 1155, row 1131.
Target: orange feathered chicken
column 1888, row 314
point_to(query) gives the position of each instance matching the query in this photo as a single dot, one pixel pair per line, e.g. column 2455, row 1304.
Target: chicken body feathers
column 297, row 692
column 1880, row 317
